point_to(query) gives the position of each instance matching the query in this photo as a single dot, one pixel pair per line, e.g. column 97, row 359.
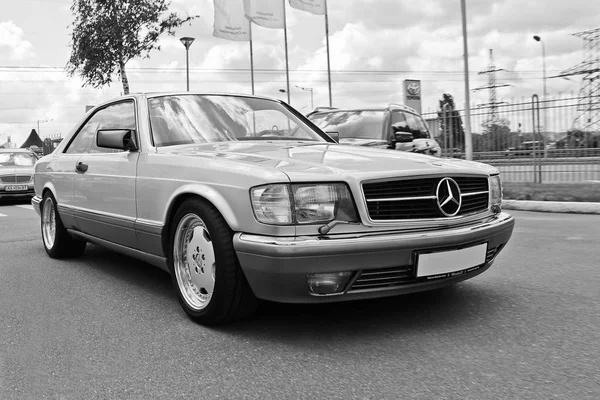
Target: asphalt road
column 106, row 326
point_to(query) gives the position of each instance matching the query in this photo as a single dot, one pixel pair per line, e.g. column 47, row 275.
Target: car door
column 104, row 186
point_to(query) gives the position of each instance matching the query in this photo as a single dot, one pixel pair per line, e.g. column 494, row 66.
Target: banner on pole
column 266, row 13
column 412, row 94
column 312, row 6
column 230, row 21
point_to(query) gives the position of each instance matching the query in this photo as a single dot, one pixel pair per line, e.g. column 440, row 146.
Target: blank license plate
column 15, row 188
column 442, row 263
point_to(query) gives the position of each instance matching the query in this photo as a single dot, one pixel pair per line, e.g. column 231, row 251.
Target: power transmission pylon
column 493, row 103
column 589, row 93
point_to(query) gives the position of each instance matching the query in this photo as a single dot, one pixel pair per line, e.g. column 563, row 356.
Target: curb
column 552, row 206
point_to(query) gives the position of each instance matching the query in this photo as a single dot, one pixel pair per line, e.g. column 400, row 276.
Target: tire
column 57, row 241
column 205, row 271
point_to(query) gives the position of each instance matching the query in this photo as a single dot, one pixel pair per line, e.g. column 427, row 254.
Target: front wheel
column 210, row 284
column 57, row 241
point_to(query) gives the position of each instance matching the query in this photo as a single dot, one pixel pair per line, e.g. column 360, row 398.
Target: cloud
column 12, row 43
column 382, row 42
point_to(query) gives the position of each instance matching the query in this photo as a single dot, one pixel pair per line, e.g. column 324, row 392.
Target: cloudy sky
column 375, row 45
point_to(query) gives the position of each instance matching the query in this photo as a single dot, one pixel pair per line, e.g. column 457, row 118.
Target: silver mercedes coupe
column 243, row 198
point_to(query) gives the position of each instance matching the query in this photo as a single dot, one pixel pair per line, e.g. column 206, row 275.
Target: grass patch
column 582, row 191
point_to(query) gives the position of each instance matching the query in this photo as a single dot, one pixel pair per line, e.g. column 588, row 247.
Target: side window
column 417, row 126
column 399, row 123
column 115, row 116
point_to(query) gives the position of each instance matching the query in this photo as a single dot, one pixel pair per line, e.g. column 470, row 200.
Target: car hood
column 326, row 161
column 16, row 170
column 365, row 142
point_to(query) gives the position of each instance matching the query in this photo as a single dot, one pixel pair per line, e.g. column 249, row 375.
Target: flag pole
column 327, row 45
column 251, row 56
column 287, row 68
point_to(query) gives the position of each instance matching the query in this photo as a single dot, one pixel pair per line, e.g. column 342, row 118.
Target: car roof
column 140, row 96
column 325, row 110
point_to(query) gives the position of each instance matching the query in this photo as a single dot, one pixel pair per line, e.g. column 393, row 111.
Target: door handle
column 81, row 167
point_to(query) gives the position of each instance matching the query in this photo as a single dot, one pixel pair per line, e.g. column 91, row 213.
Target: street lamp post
column 187, row 42
column 308, row 89
column 539, row 39
column 38, row 124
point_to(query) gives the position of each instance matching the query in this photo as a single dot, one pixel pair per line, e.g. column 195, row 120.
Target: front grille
column 383, row 278
column 403, row 199
column 15, row 178
column 390, row 278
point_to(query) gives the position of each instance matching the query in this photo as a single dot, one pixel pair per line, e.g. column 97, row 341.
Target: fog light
column 328, row 283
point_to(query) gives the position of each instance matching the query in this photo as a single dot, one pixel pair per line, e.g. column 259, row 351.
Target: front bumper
column 35, row 202
column 277, row 268
column 4, row 194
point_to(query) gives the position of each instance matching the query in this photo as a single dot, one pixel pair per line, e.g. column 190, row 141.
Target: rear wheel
column 57, row 241
column 210, row 284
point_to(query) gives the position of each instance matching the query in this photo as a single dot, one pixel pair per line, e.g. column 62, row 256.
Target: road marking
column 26, row 206
column 3, row 215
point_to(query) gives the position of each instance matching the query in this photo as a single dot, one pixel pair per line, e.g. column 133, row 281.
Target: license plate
column 15, row 188
column 442, row 264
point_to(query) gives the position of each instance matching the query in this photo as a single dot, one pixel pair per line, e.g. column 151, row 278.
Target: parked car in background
column 393, row 127
column 525, row 149
column 16, row 173
column 242, row 197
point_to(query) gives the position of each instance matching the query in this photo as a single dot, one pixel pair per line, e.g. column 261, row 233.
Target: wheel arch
column 49, row 187
column 202, row 192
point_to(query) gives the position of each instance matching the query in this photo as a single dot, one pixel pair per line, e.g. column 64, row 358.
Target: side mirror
column 334, row 135
column 121, row 139
column 403, row 137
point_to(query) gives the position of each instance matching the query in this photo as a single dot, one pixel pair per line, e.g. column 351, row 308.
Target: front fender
column 208, row 193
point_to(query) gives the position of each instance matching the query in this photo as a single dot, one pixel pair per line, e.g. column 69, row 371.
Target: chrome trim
column 66, row 210
column 328, row 242
column 35, row 202
column 474, row 193
column 157, row 261
column 104, row 217
column 404, row 198
column 148, row 226
column 425, row 222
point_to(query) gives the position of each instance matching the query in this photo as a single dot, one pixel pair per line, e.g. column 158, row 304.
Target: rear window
column 351, row 124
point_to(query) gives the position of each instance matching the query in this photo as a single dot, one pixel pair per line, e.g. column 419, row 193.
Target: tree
column 108, row 33
column 452, row 120
column 497, row 133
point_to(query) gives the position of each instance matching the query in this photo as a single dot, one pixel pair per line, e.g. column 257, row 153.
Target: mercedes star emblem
column 448, row 197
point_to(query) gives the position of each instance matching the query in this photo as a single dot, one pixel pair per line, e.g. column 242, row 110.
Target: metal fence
column 548, row 141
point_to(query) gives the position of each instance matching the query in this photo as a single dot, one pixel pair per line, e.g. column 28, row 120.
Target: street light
column 308, row 89
column 539, row 39
column 38, row 124
column 187, row 42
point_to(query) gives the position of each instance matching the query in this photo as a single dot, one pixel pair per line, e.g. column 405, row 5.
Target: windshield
column 17, row 160
column 351, row 124
column 188, row 119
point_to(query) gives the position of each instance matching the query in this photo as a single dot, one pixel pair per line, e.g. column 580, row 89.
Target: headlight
column 283, row 204
column 272, row 204
column 495, row 191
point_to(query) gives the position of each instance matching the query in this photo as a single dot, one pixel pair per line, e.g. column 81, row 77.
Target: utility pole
column 468, row 137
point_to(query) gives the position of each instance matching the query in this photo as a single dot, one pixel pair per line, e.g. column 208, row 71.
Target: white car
column 242, row 197
column 16, row 173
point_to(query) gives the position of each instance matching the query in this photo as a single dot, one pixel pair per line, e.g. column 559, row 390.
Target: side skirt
column 157, row 261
